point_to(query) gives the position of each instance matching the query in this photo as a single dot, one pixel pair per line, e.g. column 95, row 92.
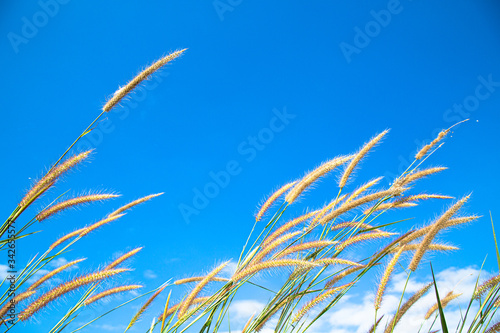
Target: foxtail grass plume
column 385, row 278
column 422, row 152
column 272, row 199
column 450, row 223
column 98, row 224
column 143, row 308
column 436, row 227
column 417, row 174
column 64, row 288
column 318, row 299
column 432, row 247
column 330, row 283
column 16, row 300
column 336, row 261
column 263, row 320
column 314, row 175
column 271, row 246
column 347, row 206
column 444, row 302
column 109, row 292
column 304, row 246
column 134, row 203
column 175, row 308
column 405, row 307
column 196, row 290
column 199, row 278
column 362, row 237
column 65, row 238
column 247, row 324
column 328, row 208
column 357, row 158
column 50, row 178
column 353, row 224
column 485, row 286
column 389, row 205
column 144, row 75
column 54, row 272
column 287, row 226
column 122, row 258
column 57, row 208
column 363, row 188
column 272, row 264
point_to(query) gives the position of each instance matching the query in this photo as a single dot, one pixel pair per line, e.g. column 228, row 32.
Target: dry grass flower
column 110, row 292
column 444, row 302
column 272, row 199
column 314, row 175
column 54, row 272
column 50, row 178
column 144, row 75
column 436, row 227
column 363, row 151
column 57, row 208
column 405, row 307
column 64, row 288
column 134, row 203
column 122, row 258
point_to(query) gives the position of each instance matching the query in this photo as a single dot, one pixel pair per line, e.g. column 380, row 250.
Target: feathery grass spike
column 54, row 272
column 272, row 199
column 362, row 237
column 417, row 174
column 366, row 148
column 65, row 238
column 314, row 175
column 436, row 227
column 196, row 290
column 57, row 208
column 444, row 302
column 272, row 264
column 421, row 153
column 304, row 246
column 134, row 203
column 347, row 206
column 49, row 179
column 144, row 75
column 318, row 299
column 197, row 279
column 64, row 288
column 287, row 226
column 12, row 303
column 96, row 225
column 405, row 307
column 122, row 258
column 385, row 278
column 342, row 275
column 143, row 308
column 110, row 292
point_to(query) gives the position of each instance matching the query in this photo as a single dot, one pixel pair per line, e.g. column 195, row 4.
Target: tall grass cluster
column 308, row 252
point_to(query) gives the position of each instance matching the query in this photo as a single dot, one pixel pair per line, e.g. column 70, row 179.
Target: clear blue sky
column 342, row 71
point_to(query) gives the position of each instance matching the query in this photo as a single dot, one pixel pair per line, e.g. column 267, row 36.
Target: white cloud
column 149, row 274
column 355, row 312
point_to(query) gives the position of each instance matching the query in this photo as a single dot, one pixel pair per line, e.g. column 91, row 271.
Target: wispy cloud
column 355, row 312
column 149, row 274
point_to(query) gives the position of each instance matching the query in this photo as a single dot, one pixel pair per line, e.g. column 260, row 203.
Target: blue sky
column 329, row 75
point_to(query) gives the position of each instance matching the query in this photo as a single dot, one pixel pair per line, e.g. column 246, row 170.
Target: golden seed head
column 144, row 75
